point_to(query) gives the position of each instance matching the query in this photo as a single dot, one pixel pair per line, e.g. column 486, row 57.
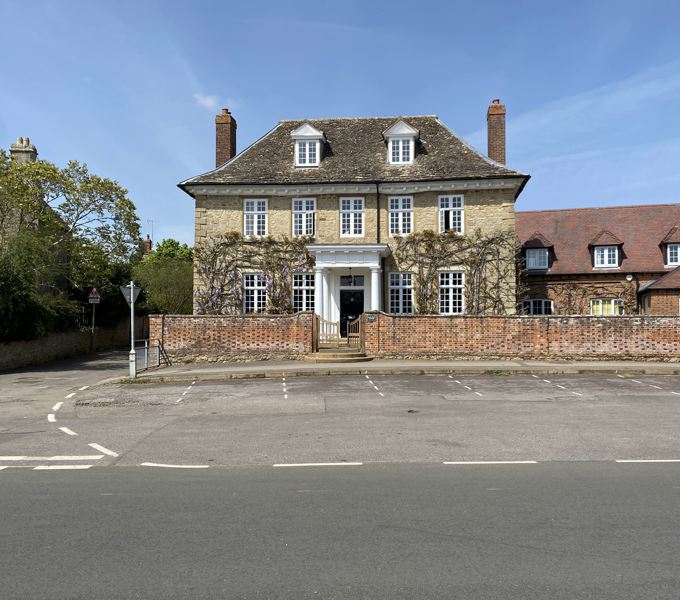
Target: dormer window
column 606, row 257
column 401, row 143
column 672, row 255
column 307, row 140
column 537, row 259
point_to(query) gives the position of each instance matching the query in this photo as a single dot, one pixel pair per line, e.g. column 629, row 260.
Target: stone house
column 352, row 188
column 601, row 261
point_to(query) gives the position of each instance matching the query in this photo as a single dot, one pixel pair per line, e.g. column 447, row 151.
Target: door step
column 337, row 357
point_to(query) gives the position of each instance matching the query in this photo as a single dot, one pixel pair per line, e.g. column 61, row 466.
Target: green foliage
column 166, row 278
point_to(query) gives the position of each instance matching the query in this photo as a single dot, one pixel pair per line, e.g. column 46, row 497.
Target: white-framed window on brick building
column 401, row 214
column 255, row 217
column 606, row 257
column 451, row 292
column 401, row 293
column 672, row 255
column 254, row 293
column 451, row 216
column 303, row 291
column 351, row 217
column 535, row 307
column 304, row 217
column 536, row 259
column 606, row 307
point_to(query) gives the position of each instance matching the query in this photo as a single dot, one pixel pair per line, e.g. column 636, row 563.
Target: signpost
column 131, row 292
column 93, row 298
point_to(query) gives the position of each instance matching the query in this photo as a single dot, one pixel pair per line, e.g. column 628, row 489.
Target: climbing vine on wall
column 222, row 261
column 487, row 259
column 574, row 298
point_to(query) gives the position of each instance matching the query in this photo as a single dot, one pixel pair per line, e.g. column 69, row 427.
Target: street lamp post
column 131, row 292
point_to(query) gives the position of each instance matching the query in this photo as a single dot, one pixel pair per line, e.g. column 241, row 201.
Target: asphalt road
column 558, row 530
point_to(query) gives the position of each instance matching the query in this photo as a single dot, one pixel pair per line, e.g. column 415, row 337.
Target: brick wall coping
column 553, row 317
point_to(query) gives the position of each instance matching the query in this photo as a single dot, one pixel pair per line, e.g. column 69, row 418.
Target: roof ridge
column 357, row 118
column 614, row 206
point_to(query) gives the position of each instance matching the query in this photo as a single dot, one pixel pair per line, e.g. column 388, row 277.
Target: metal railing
column 147, row 355
column 355, row 333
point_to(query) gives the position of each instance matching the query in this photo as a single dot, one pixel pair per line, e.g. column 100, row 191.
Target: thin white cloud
column 206, row 101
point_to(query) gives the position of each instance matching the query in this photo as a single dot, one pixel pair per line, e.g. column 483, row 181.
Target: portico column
column 375, row 288
column 318, row 291
column 326, row 314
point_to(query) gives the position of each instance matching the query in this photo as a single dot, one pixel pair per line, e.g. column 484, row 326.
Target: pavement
column 186, row 372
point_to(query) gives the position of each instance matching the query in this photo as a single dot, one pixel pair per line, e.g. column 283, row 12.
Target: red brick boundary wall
column 239, row 337
column 522, row 337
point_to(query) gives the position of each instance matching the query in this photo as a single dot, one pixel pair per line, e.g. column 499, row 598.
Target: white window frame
column 400, row 210
column 304, row 149
column 613, row 302
column 255, row 217
column 532, row 254
column 254, row 293
column 452, row 292
column 676, row 250
column 303, row 291
column 531, row 306
column 304, row 217
column 454, row 205
column 354, row 217
column 403, row 156
column 401, row 293
column 602, row 257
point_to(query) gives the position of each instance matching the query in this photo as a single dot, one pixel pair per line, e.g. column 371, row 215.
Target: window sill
column 352, row 235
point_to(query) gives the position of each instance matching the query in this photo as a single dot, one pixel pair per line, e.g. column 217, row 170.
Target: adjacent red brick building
column 601, row 261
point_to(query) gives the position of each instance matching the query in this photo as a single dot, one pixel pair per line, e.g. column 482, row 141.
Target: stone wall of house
column 189, row 338
column 523, row 337
column 54, row 346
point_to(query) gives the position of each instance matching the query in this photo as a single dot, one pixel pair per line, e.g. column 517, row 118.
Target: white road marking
column 560, row 386
column 383, row 395
column 366, row 376
column 491, row 462
column 371, row 382
column 535, row 376
column 50, row 458
column 577, row 394
column 375, row 387
column 70, row 395
column 150, row 464
column 184, row 393
column 102, row 449
column 546, row 381
column 57, row 406
column 83, row 388
column 656, row 387
column 649, row 460
column 193, row 383
column 676, row 393
column 330, row 464
column 60, row 467
column 178, row 400
column 1, row 468
column 635, row 381
column 285, row 396
column 621, row 376
column 467, row 387
column 478, row 393
column 457, row 381
column 68, row 431
column 284, row 379
column 51, row 418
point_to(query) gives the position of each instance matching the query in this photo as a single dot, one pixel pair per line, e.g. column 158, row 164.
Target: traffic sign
column 130, row 298
column 94, row 296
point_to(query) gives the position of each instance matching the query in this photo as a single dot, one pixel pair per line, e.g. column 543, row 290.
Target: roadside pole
column 131, row 292
column 93, row 298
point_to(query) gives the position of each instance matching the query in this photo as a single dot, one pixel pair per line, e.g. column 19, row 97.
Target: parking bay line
column 57, row 406
column 68, row 431
column 51, row 458
column 490, row 462
column 102, row 449
column 326, row 464
column 166, row 466
column 70, row 395
column 60, row 467
column 649, row 460
column 51, row 418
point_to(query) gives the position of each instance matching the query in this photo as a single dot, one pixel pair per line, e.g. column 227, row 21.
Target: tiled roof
column 670, row 281
column 605, row 238
column 356, row 151
column 641, row 229
column 537, row 240
column 673, row 236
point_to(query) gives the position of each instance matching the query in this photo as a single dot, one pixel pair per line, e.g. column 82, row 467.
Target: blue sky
column 131, row 87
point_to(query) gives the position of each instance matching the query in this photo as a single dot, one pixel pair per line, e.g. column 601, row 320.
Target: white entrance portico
column 348, row 279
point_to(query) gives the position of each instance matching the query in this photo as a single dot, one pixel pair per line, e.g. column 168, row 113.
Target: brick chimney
column 495, row 126
column 23, row 151
column 225, row 137
column 147, row 245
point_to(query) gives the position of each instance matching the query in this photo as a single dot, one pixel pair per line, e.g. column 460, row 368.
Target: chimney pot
column 495, row 124
column 225, row 137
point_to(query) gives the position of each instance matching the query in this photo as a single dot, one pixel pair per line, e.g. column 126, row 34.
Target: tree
column 166, row 278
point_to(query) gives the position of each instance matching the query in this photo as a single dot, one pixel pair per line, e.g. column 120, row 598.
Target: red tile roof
column 670, row 281
column 641, row 229
column 605, row 238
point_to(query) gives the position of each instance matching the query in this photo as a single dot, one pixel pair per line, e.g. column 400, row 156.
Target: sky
column 131, row 88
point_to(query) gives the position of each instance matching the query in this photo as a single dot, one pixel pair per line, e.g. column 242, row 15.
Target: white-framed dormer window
column 672, row 255
column 451, row 293
column 254, row 293
column 401, row 143
column 606, row 257
column 255, row 217
column 536, row 259
column 304, row 217
column 401, row 214
column 307, row 153
column 351, row 217
column 451, row 213
column 401, row 293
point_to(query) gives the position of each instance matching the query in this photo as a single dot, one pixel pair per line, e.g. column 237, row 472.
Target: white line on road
column 70, row 395
column 676, row 393
column 51, row 418
column 178, row 400
column 656, row 387
column 492, row 462
column 560, row 386
column 193, row 383
column 57, row 406
column 577, row 394
column 546, row 381
column 457, row 381
column 478, row 393
column 68, row 431
column 150, row 464
column 285, row 396
column 535, row 376
column 50, row 458
column 102, row 449
column 621, row 376
column 635, row 381
column 184, row 393
column 381, row 394
column 60, row 467
column 650, row 460
column 467, row 387
column 375, row 387
column 83, row 388
column 330, row 464
column 1, row 468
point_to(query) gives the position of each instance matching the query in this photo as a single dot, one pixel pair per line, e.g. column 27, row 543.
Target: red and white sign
column 94, row 296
